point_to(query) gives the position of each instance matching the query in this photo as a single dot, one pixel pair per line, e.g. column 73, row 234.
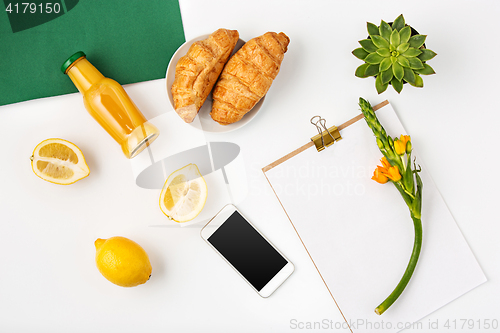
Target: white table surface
column 48, row 278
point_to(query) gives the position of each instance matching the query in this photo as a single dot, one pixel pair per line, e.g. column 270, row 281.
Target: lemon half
column 184, row 194
column 59, row 161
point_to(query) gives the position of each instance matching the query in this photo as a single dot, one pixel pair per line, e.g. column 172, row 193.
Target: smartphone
column 247, row 250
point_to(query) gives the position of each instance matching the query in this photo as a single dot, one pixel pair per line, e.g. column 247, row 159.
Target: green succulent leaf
column 379, row 85
column 360, row 53
column 427, row 70
column 397, row 85
column 417, row 41
column 394, row 60
column 398, row 71
column 380, row 42
column 384, row 52
column 419, row 82
column 374, row 58
column 372, row 70
column 426, row 54
column 411, row 52
column 386, row 76
column 367, row 45
column 398, row 23
column 360, row 71
column 405, row 34
column 372, row 29
column 385, row 30
column 403, row 47
column 415, row 63
column 403, row 61
column 395, row 38
column 385, row 65
column 409, row 76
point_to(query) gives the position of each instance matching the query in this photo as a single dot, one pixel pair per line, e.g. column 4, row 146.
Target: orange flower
column 385, row 163
column 393, row 174
column 379, row 177
column 383, row 173
column 400, row 145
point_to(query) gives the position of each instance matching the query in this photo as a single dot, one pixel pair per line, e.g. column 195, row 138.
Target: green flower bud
column 391, row 143
column 408, row 147
column 380, row 144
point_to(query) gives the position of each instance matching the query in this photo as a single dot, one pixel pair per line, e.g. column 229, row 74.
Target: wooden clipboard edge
column 303, row 244
column 311, row 144
column 288, row 156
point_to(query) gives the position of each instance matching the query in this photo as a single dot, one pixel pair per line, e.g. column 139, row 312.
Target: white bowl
column 207, row 123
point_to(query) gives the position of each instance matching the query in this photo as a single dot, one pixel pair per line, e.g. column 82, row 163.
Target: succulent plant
column 393, row 55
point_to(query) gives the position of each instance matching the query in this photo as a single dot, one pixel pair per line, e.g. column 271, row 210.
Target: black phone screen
column 249, row 252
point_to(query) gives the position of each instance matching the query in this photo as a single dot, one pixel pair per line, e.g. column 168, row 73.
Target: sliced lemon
column 59, row 161
column 184, row 194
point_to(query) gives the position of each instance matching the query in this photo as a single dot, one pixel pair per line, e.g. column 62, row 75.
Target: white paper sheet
column 360, row 235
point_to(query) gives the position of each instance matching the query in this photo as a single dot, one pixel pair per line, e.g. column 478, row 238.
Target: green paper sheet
column 128, row 41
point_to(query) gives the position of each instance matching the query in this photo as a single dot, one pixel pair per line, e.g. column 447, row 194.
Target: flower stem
column 417, row 223
column 405, row 190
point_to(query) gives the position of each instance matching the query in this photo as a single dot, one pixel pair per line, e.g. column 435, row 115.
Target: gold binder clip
column 324, row 138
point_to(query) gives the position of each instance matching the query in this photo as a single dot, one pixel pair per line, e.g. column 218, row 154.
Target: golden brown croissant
column 247, row 77
column 197, row 71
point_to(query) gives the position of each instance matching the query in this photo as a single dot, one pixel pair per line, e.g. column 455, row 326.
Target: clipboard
column 359, row 234
column 324, row 139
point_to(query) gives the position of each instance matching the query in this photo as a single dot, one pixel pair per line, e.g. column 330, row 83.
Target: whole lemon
column 122, row 261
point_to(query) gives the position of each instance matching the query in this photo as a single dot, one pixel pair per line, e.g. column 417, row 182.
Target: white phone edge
column 277, row 280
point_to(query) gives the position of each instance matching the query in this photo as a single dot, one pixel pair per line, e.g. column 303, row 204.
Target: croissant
column 247, row 77
column 197, row 71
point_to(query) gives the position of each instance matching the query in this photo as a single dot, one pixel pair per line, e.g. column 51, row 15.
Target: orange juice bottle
column 106, row 100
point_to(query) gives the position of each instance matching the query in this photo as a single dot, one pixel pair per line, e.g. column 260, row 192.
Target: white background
column 48, row 279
